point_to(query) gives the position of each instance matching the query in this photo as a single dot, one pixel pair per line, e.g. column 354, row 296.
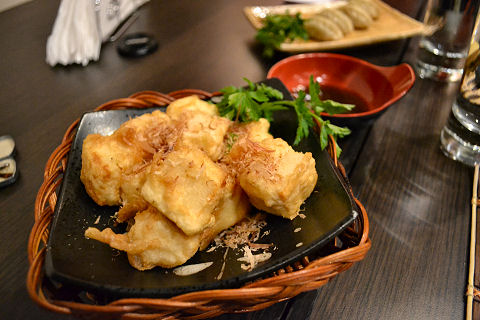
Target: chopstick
column 123, row 27
column 471, row 269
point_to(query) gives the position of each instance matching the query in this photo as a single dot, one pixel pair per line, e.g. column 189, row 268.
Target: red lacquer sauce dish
column 346, row 79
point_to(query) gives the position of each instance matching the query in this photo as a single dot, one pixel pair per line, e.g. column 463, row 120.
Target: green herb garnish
column 232, row 138
column 280, row 28
column 260, row 101
column 249, row 104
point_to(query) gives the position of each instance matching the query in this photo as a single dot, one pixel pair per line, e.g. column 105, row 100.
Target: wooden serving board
column 391, row 25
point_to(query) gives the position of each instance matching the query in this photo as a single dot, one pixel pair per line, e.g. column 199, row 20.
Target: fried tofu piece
column 203, row 131
column 153, row 240
column 190, row 103
column 186, row 186
column 106, row 158
column 255, row 130
column 233, row 208
column 131, row 184
column 149, row 133
column 199, row 125
column 276, row 178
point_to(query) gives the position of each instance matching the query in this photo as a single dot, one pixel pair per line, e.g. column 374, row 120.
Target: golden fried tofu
column 106, row 158
column 153, row 240
column 233, row 208
column 192, row 103
column 276, row 178
column 203, row 131
column 150, row 133
column 255, row 130
column 186, row 186
column 199, row 125
column 131, row 184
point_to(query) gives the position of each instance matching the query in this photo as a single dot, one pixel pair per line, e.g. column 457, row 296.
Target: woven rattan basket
column 308, row 274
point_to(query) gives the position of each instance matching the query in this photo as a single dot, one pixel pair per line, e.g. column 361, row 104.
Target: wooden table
column 418, row 200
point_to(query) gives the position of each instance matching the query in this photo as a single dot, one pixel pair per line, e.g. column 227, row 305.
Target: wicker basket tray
column 307, row 274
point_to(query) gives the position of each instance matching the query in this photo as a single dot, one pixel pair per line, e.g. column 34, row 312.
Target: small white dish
column 7, row 146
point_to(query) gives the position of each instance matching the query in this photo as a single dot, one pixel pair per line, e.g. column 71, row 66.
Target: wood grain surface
column 418, row 200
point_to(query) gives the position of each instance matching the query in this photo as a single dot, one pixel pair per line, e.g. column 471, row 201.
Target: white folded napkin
column 82, row 25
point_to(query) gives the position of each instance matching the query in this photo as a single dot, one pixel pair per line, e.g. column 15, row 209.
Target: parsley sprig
column 251, row 103
column 278, row 29
column 260, row 101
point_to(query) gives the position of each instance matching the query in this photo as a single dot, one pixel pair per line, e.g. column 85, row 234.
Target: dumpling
column 323, row 29
column 360, row 17
column 339, row 18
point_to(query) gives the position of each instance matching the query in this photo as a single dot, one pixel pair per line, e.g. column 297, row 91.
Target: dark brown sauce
column 341, row 95
column 345, row 96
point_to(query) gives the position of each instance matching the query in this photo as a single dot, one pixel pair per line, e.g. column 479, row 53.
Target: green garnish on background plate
column 280, row 28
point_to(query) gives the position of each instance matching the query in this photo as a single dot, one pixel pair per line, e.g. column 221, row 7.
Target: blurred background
column 7, row 4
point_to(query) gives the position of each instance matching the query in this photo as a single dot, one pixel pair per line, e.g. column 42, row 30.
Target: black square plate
column 90, row 265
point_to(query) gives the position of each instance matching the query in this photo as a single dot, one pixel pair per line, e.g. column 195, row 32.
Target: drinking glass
column 460, row 138
column 441, row 54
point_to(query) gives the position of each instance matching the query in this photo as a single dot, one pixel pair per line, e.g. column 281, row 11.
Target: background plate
column 88, row 264
column 391, row 25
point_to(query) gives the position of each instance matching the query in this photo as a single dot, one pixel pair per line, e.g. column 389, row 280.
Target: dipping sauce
column 342, row 95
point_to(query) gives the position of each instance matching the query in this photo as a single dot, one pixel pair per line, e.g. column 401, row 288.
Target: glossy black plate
column 74, row 260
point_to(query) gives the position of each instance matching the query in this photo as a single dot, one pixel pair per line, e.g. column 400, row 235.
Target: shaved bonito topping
column 243, row 236
column 191, row 269
column 248, row 258
column 258, row 159
column 253, row 259
column 244, row 233
column 220, row 275
column 253, row 156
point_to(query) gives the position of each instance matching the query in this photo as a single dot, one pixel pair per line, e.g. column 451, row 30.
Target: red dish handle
column 401, row 76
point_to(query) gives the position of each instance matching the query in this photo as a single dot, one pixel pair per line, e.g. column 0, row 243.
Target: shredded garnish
column 220, row 275
column 191, row 269
column 248, row 258
column 243, row 236
column 245, row 232
column 254, row 259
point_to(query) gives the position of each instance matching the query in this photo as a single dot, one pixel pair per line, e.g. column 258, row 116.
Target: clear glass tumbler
column 460, row 138
column 441, row 54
